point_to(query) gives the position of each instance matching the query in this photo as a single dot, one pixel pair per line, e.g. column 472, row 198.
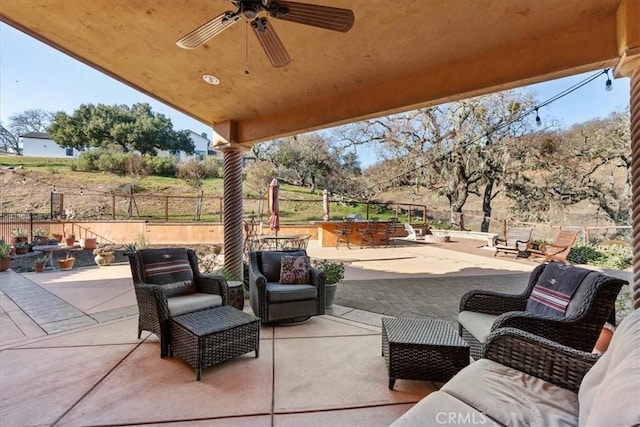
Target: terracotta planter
column 604, row 339
column 66, row 264
column 89, row 243
column 40, row 240
column 39, row 268
column 20, row 239
column 5, row 263
column 70, row 241
column 57, row 236
column 22, row 250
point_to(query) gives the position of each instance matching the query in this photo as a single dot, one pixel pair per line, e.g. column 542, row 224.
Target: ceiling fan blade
column 208, row 30
column 330, row 18
column 270, row 42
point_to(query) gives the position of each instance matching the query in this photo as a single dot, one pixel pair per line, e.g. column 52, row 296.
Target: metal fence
column 10, row 221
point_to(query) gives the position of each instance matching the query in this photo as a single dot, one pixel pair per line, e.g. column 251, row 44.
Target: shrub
column 163, row 165
column 613, row 256
column 88, row 161
column 212, row 167
column 112, row 161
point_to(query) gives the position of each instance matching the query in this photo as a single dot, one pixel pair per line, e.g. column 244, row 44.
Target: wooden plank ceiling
column 397, row 56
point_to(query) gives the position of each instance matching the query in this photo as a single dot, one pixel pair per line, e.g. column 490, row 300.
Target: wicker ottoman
column 422, row 349
column 207, row 337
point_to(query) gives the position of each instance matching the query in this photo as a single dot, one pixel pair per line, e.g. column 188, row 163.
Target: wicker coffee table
column 207, row 337
column 422, row 349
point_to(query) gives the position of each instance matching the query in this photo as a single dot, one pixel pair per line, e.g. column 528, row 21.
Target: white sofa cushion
column 512, row 397
column 439, row 408
column 478, row 324
column 610, row 391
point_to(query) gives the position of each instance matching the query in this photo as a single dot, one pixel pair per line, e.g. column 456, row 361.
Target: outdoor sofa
column 526, row 380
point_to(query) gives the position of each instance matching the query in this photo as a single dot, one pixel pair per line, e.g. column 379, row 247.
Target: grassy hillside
column 26, row 185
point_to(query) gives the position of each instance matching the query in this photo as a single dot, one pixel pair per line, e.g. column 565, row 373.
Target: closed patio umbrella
column 274, row 219
column 325, row 204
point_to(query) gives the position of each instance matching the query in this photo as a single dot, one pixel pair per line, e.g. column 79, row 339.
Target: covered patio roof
column 397, row 56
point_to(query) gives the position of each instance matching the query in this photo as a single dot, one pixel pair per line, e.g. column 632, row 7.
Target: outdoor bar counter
column 327, row 232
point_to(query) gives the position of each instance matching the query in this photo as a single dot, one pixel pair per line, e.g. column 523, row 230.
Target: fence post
column 31, row 226
column 113, row 206
column 166, row 208
column 424, row 214
column 367, row 209
column 409, row 214
column 587, row 238
column 504, row 228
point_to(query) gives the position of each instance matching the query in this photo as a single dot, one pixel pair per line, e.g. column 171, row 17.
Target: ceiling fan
column 330, row 18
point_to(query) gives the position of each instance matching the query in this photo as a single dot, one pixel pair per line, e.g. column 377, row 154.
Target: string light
column 81, row 191
column 508, row 123
column 608, row 84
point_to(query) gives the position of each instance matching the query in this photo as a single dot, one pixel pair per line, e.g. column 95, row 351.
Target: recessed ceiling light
column 211, row 79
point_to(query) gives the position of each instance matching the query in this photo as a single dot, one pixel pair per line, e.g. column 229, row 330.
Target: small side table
column 422, row 349
column 236, row 294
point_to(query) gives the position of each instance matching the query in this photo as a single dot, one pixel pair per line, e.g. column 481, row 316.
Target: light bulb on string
column 53, row 190
column 538, row 119
column 608, row 84
column 81, row 191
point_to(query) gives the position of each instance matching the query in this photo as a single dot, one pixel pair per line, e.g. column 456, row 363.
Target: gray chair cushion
column 193, row 302
column 282, row 293
column 270, row 261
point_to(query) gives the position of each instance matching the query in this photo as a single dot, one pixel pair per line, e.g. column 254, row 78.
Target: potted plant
column 335, row 273
column 40, row 236
column 20, row 235
column 623, row 307
column 70, row 239
column 103, row 256
column 5, row 255
column 22, row 247
column 40, row 263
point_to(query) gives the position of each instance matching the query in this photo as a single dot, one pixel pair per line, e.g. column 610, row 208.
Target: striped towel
column 555, row 288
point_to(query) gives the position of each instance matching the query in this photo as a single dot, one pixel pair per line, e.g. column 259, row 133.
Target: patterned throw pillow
column 294, row 269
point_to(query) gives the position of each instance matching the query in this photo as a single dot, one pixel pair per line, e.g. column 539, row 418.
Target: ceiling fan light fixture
column 211, row 79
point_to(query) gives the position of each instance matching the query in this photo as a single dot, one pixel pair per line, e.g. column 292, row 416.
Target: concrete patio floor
column 69, row 355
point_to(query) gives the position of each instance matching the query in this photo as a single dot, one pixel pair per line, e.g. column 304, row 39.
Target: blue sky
column 34, row 75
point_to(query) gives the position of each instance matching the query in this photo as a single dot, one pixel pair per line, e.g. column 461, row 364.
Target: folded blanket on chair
column 555, row 288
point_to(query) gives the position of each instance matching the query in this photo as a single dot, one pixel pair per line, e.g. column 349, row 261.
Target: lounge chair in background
column 558, row 249
column 517, row 242
column 413, row 234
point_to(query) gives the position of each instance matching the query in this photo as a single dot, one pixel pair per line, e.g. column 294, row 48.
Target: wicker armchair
column 168, row 283
column 273, row 302
column 482, row 312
